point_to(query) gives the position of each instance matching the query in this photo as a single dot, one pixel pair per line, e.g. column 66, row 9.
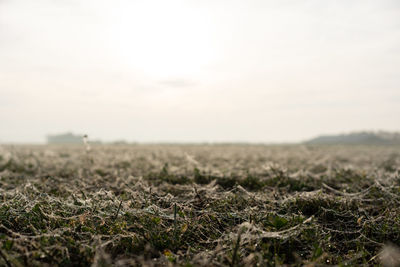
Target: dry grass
column 198, row 205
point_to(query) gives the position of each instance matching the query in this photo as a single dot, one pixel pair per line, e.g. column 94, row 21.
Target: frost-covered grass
column 226, row 205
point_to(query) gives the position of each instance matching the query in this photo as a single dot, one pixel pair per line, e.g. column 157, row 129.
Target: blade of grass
column 119, row 208
column 235, row 251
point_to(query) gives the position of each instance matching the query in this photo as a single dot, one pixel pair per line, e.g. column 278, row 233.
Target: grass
column 198, row 205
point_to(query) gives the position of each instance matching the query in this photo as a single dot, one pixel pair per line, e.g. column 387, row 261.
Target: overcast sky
column 193, row 71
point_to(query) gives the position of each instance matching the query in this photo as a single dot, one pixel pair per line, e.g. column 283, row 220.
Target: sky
column 198, row 71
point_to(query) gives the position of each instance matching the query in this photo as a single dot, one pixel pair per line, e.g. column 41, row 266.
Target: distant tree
column 66, row 138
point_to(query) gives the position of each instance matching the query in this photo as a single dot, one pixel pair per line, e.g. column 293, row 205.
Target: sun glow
column 165, row 39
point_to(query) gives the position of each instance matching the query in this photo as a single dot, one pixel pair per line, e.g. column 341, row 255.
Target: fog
column 198, row 71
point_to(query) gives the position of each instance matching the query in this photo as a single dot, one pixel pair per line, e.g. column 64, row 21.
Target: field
column 199, row 205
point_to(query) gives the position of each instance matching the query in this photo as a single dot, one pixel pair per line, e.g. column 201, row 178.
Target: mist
column 191, row 71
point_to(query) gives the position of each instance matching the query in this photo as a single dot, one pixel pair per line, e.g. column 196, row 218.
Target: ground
column 199, row 205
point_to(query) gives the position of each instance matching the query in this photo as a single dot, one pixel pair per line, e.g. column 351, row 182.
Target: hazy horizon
column 118, row 140
column 198, row 71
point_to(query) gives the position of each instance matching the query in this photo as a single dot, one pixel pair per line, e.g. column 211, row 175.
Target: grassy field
column 225, row 205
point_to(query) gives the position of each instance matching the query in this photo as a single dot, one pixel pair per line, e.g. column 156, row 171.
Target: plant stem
column 235, row 251
column 175, row 224
column 119, row 208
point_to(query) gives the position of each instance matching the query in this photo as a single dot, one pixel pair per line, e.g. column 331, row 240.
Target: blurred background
column 198, row 71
